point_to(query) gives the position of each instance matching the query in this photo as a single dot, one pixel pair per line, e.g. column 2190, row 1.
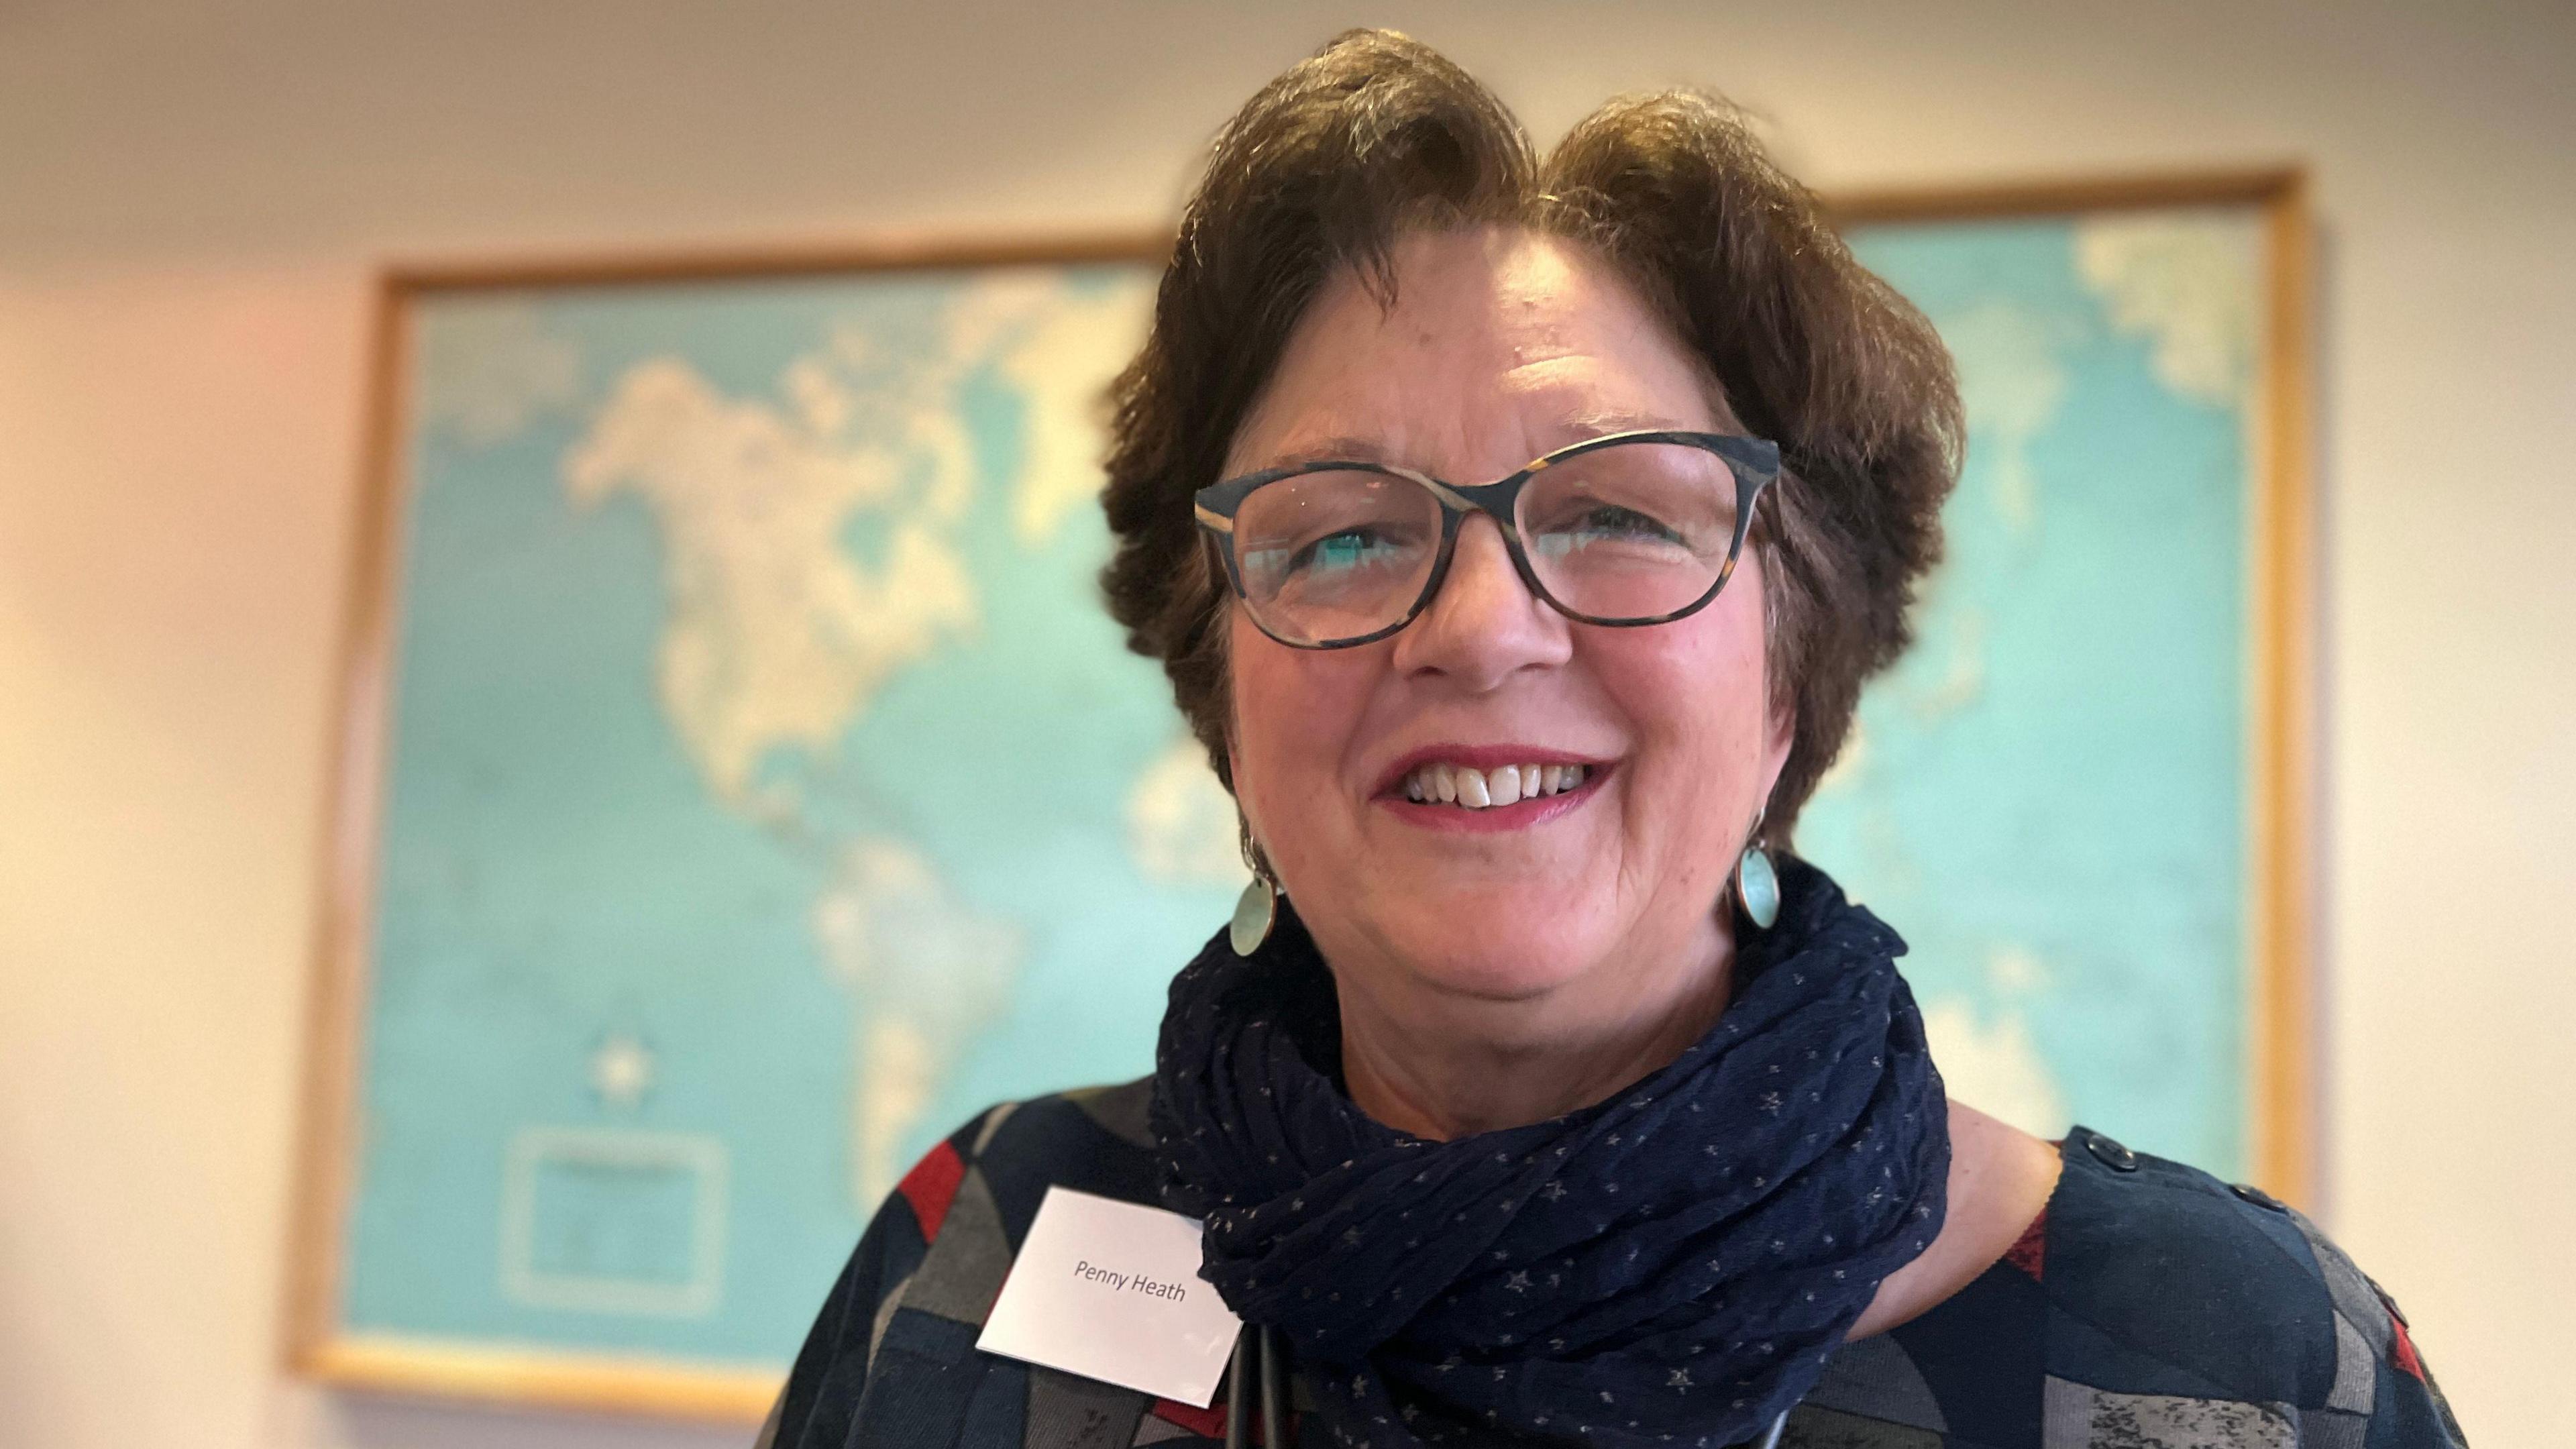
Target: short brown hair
column 1377, row 135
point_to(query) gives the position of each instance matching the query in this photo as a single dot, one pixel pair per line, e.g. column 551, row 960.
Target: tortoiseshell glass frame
column 1754, row 462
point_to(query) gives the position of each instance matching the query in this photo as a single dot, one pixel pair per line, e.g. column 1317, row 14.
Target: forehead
column 1502, row 344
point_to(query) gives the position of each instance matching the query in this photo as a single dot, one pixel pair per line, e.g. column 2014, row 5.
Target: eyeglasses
column 1624, row 530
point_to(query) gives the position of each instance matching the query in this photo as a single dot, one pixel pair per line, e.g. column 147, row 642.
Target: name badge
column 1111, row 1290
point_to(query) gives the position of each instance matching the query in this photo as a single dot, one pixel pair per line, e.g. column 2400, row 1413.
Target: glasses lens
column 1631, row 531
column 1335, row 555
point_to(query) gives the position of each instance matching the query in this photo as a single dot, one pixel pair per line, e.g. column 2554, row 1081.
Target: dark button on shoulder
column 2109, row 1153
column 2257, row 1196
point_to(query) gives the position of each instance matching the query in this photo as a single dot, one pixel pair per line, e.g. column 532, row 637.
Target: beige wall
column 192, row 197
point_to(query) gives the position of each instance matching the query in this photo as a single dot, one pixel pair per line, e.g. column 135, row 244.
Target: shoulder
column 2165, row 1284
column 962, row 1211
column 1093, row 1139
column 2168, row 1264
column 892, row 1349
column 2150, row 1304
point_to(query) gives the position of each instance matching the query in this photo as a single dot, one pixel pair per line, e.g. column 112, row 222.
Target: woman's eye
column 1348, row 549
column 1609, row 520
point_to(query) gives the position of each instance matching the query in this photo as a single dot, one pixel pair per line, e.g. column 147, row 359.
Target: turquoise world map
column 766, row 791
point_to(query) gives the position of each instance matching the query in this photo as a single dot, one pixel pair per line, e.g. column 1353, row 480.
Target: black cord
column 1273, row 1376
column 1234, row 1436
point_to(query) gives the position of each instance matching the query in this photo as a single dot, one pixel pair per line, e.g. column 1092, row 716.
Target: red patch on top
column 1207, row 1423
column 931, row 1186
column 2029, row 1252
column 2402, row 1349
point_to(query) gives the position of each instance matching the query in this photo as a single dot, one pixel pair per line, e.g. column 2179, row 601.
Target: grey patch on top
column 2356, row 1380
column 967, row 1262
column 2353, row 1296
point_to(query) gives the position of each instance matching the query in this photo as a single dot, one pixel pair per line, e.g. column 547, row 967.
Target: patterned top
column 2148, row 1305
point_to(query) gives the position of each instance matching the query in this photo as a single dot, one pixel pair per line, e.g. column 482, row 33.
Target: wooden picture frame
column 2279, row 679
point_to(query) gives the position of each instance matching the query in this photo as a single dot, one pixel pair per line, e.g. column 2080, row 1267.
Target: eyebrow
column 1349, row 448
column 1577, row 427
column 1596, row 422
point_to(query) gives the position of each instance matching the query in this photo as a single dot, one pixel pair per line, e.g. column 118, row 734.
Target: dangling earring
column 1257, row 909
column 1254, row 912
column 1757, row 885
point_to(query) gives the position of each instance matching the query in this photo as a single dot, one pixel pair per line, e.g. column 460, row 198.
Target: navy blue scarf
column 1671, row 1266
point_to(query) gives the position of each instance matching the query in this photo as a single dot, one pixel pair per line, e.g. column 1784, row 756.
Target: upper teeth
column 1501, row 785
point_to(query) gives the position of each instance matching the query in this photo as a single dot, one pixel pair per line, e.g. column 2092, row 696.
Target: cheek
column 1697, row 690
column 1294, row 713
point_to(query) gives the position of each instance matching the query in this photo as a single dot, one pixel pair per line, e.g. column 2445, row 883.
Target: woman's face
column 1502, row 345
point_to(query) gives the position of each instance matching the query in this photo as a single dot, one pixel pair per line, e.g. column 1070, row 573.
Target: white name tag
column 1111, row 1290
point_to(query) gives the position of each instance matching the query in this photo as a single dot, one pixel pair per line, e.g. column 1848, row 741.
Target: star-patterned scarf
column 1671, row 1266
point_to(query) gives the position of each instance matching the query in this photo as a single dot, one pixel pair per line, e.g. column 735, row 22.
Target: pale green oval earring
column 1757, row 885
column 1257, row 909
column 1254, row 913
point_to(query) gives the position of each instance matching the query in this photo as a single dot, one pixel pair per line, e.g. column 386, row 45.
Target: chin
column 1501, row 955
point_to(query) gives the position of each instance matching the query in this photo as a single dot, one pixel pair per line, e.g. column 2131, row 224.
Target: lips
column 1464, row 783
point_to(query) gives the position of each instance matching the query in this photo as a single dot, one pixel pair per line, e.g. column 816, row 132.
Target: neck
column 1440, row 1063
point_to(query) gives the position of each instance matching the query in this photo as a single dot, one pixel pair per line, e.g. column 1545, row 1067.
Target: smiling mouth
column 1472, row 789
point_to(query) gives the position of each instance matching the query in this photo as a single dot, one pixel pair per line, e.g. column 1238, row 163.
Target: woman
column 1527, row 1100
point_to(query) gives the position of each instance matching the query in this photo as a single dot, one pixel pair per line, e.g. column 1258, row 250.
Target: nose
column 1484, row 625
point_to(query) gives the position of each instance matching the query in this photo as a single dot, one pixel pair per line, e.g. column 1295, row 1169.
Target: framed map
column 740, row 783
